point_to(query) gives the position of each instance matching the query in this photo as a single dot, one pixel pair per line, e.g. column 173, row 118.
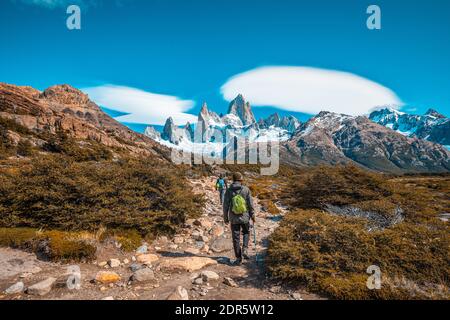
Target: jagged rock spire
column 242, row 109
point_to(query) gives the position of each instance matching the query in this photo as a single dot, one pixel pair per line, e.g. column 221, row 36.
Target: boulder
column 106, row 277
column 230, row 282
column 143, row 275
column 135, row 267
column 188, row 264
column 148, row 258
column 114, row 263
column 42, row 288
column 221, row 244
column 142, row 249
column 209, row 276
column 180, row 293
column 15, row 288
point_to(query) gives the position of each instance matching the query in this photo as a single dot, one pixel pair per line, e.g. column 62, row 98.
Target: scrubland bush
column 330, row 254
column 54, row 192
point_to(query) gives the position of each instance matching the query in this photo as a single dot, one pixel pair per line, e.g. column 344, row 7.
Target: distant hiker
column 238, row 210
column 221, row 186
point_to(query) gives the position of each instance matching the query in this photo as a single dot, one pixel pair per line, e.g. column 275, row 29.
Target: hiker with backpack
column 238, row 210
column 221, row 186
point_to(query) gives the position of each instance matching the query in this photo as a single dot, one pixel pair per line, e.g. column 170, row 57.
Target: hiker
column 221, row 186
column 238, row 210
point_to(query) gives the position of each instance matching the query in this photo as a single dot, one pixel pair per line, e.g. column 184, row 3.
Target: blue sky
column 168, row 56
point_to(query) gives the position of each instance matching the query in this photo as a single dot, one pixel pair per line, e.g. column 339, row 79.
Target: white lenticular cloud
column 141, row 106
column 309, row 90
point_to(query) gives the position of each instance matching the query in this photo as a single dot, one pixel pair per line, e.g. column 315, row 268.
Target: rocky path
column 194, row 265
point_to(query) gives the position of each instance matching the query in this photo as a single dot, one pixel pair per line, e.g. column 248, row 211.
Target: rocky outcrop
column 64, row 108
column 241, row 108
column 288, row 123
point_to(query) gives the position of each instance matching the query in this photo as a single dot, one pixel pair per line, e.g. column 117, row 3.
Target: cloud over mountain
column 142, row 106
column 309, row 90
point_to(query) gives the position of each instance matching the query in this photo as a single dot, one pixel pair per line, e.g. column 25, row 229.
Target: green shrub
column 54, row 192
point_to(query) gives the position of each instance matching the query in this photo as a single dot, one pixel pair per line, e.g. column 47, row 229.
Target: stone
column 148, row 258
column 196, row 235
column 108, row 298
column 41, row 288
column 114, row 263
column 193, row 251
column 296, row 296
column 15, row 288
column 188, row 264
column 173, row 247
column 178, row 240
column 208, row 275
column 198, row 281
column 126, row 261
column 143, row 275
column 221, row 244
column 204, row 223
column 133, row 258
column 107, row 277
column 102, row 264
column 205, row 248
column 230, row 282
column 135, row 267
column 180, row 293
column 142, row 249
column 163, row 239
column 199, row 244
column 217, row 231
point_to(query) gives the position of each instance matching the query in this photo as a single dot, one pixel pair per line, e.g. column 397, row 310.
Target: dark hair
column 237, row 176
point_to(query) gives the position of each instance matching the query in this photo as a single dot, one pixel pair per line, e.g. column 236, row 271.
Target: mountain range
column 378, row 142
column 431, row 126
column 327, row 138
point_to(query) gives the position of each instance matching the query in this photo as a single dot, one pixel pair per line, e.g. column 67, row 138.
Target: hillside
column 65, row 110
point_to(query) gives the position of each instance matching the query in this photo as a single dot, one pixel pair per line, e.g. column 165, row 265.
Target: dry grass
column 54, row 245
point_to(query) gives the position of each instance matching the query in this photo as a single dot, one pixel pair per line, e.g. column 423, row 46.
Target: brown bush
column 54, row 245
column 330, row 255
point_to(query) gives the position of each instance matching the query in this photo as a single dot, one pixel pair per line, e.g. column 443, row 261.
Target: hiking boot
column 245, row 254
column 237, row 262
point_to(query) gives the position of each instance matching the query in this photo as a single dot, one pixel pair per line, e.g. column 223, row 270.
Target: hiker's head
column 221, row 176
column 237, row 176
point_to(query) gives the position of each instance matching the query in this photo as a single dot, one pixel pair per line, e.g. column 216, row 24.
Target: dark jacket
column 228, row 216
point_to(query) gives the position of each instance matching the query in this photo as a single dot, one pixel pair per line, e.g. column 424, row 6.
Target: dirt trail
column 206, row 237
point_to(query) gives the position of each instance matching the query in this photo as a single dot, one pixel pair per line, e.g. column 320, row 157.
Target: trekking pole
column 254, row 242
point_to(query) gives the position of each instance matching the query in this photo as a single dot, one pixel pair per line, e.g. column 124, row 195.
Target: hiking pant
column 221, row 195
column 236, row 230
